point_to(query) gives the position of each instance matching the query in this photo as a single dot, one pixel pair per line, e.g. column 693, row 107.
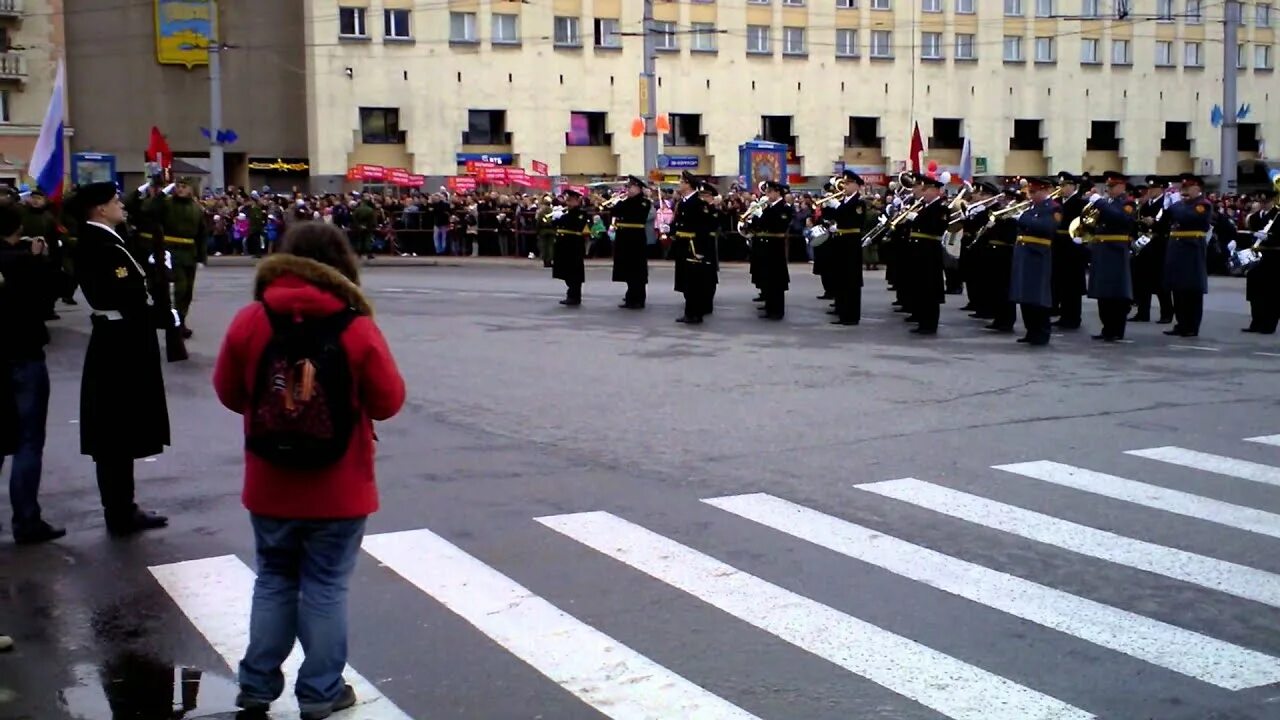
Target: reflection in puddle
column 131, row 686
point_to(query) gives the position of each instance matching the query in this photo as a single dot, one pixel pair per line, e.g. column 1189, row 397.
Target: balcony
column 11, row 8
column 13, row 66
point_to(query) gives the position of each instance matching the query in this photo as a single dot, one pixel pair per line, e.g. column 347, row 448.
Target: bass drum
column 818, row 235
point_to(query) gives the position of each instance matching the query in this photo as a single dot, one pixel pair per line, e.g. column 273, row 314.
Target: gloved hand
column 882, row 220
column 1231, row 246
column 1259, row 235
column 177, row 321
column 143, row 187
column 168, row 189
column 1078, row 240
column 833, row 203
column 1095, row 197
column 200, row 265
column 912, row 216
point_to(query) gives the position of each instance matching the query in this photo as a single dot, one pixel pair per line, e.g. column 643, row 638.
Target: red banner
column 398, row 176
column 540, row 183
column 416, row 181
column 461, row 183
column 497, row 175
column 539, row 167
column 353, row 174
column 371, row 172
column 517, row 176
column 475, row 167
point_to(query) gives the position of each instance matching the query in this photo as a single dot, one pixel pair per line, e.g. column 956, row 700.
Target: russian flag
column 48, row 160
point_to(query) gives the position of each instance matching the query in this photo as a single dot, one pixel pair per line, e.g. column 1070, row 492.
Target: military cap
column 1039, row 183
column 1134, row 188
column 707, row 187
column 571, row 192
column 1112, row 177
column 93, row 195
column 775, row 186
column 1191, row 179
column 636, row 181
column 1086, row 181
column 930, row 181
column 35, row 192
column 185, row 180
column 855, row 177
column 1065, row 177
column 1156, row 181
column 689, row 177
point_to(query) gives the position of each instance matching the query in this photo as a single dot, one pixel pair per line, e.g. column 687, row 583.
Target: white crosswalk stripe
column 1227, row 577
column 1231, row 467
column 935, row 680
column 1265, row 440
column 614, row 679
column 215, row 594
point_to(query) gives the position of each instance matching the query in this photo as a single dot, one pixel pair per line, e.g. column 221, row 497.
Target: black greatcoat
column 123, row 413
column 924, row 250
column 770, row 232
column 693, row 229
column 1262, row 282
column 630, row 246
column 568, row 262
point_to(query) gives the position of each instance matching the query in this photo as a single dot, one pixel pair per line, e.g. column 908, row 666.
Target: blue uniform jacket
column 1186, row 267
column 1109, row 248
column 1031, row 280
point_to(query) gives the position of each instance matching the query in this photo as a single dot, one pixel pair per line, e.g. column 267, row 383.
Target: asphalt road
column 594, row 512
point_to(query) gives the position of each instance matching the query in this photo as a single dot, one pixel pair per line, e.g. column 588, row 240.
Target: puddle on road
column 134, row 686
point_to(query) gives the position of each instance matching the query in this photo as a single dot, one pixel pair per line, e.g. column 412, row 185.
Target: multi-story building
column 1036, row 85
column 31, row 41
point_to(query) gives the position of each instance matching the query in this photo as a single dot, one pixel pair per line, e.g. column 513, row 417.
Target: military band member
column 1109, row 280
column 1186, row 271
column 769, row 231
column 38, row 222
column 630, row 245
column 711, row 241
column 1262, row 282
column 973, row 244
column 690, row 231
column 824, row 262
column 569, row 259
column 1031, row 279
column 848, row 214
column 1001, row 235
column 904, row 274
column 1068, row 258
column 123, row 412
column 925, row 254
column 1148, row 263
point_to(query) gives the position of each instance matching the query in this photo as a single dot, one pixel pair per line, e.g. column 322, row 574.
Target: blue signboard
column 678, row 162
column 759, row 160
column 495, row 158
column 92, row 167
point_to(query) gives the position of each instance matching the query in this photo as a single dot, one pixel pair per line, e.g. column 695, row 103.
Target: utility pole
column 217, row 164
column 1230, row 126
column 649, row 93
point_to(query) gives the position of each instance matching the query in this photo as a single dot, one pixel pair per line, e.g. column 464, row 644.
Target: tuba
column 1082, row 227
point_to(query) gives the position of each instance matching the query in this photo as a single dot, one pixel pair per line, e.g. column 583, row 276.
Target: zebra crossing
column 928, row 676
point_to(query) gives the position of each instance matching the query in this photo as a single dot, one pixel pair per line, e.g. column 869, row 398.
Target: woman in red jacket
column 308, row 523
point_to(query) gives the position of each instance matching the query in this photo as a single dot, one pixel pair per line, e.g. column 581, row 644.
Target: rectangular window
column 462, row 27
column 4, row 106
column 931, row 46
column 1164, row 10
column 351, row 22
column 1262, row 15
column 1026, row 136
column 793, row 41
column 948, row 134
column 964, row 7
column 846, row 43
column 1045, row 50
column 703, row 38
column 1164, row 53
column 1044, row 8
column 1177, row 137
column 793, row 3
column 1089, row 54
column 757, row 2
column 864, row 132
column 395, row 24
column 1261, row 57
column 486, row 127
column 1192, row 14
column 664, row 36
column 776, row 128
column 846, row 4
column 1120, row 53
column 1240, row 58
column 881, row 43
column 932, row 6
column 607, row 33
column 1089, row 8
column 1191, row 54
column 1013, row 7
column 1103, row 135
column 506, row 29
column 567, row 32
column 587, row 129
column 1013, row 48
column 881, row 4
column 380, row 126
column 966, row 48
column 686, row 131
column 758, row 40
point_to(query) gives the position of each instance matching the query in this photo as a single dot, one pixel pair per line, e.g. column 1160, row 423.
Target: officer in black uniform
column 1068, row 258
column 1000, row 236
column 848, row 214
column 924, row 243
column 1031, row 278
column 710, row 242
column 568, row 264
column 973, row 245
column 1262, row 282
column 825, row 263
column 1148, row 263
column 904, row 274
column 630, row 246
column 1186, row 271
column 693, row 273
column 769, row 231
column 1110, row 282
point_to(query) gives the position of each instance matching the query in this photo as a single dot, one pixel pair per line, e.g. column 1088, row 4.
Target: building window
column 1013, row 7
column 1044, row 8
column 1089, row 54
column 1177, row 137
column 757, row 2
column 758, row 40
column 932, row 6
column 966, row 48
column 948, row 134
column 964, row 7
column 1247, row 139
column 1013, row 48
column 1261, row 57
column 686, row 131
column 1089, row 8
column 793, row 41
column 846, row 4
column 4, row 106
column 1191, row 55
column 664, row 36
column 395, row 24
column 1026, row 136
column 587, row 129
column 506, row 29
column 1240, row 59
column 703, row 38
column 881, row 5
column 1104, row 136
column 847, row 43
column 864, row 132
column 1262, row 15
column 1045, row 51
column 1164, row 53
column 1120, row 53
column 486, row 127
column 607, row 33
column 462, row 27
column 776, row 128
column 931, row 46
column 567, row 33
column 351, row 22
column 793, row 3
column 1164, row 10
column 881, row 44
column 380, row 126
column 1192, row 15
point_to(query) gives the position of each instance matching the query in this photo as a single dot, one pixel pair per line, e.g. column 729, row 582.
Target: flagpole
column 217, row 163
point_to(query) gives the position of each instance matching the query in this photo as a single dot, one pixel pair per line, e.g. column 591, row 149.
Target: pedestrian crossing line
column 1265, row 440
column 614, row 679
column 216, row 595
column 1151, row 496
column 933, row 679
column 1183, row 651
column 1227, row 577
column 1219, row 464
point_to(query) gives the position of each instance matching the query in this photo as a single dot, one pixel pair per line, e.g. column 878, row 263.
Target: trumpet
column 1018, row 208
column 837, row 190
column 612, row 200
column 970, row 208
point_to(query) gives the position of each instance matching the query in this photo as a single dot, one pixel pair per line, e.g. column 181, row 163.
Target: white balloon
column 945, row 178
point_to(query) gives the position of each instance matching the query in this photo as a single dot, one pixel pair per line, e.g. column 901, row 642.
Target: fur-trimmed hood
column 311, row 272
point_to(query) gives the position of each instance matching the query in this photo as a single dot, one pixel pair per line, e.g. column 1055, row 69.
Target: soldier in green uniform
column 363, row 221
column 38, row 221
column 70, row 227
column 185, row 238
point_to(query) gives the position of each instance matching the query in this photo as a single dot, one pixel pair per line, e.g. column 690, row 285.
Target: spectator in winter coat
column 308, row 524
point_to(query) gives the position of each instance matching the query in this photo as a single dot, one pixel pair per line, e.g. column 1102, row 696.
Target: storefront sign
column 679, row 162
column 461, row 183
column 278, row 165
column 368, row 172
column 416, row 181
column 184, row 29
column 494, row 158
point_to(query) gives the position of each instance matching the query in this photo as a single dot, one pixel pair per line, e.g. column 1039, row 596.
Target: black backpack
column 302, row 414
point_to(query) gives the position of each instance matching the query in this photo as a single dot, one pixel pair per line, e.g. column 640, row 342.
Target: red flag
column 917, row 148
column 158, row 149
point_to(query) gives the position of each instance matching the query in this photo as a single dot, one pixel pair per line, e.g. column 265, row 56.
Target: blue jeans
column 441, row 237
column 301, row 593
column 31, row 391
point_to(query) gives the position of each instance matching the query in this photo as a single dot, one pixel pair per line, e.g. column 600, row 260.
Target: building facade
column 134, row 65
column 1036, row 85
column 31, row 41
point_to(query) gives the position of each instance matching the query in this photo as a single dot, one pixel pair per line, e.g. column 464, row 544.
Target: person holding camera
column 24, row 377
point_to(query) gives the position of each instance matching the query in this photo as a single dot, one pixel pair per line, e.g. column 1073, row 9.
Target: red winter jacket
column 291, row 284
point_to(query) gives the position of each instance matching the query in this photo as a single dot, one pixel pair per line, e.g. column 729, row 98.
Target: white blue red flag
column 48, row 160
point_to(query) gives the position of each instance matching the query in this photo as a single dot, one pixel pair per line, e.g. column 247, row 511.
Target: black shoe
column 186, row 333
column 1176, row 332
column 346, row 699
column 631, row 306
column 838, row 321
column 824, row 296
column 999, row 328
column 967, row 308
column 139, row 521
column 982, row 316
column 924, row 331
column 689, row 320
column 1074, row 325
column 38, row 533
column 1141, row 317
column 758, row 298
column 910, row 319
column 1024, row 339
column 1164, row 321
column 1105, row 338
column 570, row 303
column 1249, row 330
column 772, row 316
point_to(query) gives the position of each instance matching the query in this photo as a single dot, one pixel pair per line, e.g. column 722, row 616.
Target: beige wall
column 38, row 39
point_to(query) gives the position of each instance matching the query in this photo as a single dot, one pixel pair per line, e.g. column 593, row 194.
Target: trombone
column 837, row 190
column 1018, row 208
